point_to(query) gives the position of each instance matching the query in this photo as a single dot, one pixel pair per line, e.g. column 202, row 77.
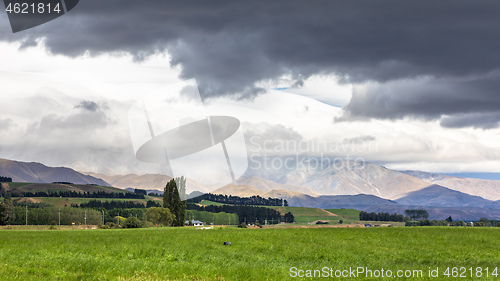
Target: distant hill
column 439, row 201
column 56, row 187
column 489, row 189
column 268, row 185
column 147, row 182
column 297, row 199
column 359, row 201
column 436, row 195
column 39, row 173
column 239, row 190
column 350, row 178
column 150, row 182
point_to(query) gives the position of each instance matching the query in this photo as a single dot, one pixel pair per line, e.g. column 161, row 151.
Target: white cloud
column 41, row 90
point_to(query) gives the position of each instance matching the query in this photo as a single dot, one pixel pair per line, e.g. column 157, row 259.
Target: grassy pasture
column 302, row 215
column 210, row 203
column 64, row 201
column 255, row 254
column 348, row 215
column 305, row 215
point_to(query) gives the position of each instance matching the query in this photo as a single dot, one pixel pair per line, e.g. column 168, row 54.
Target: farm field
column 209, row 203
column 255, row 254
column 305, row 215
column 347, row 214
column 66, row 201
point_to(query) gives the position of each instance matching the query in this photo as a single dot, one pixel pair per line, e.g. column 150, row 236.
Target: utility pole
column 85, row 217
column 59, row 216
column 26, row 214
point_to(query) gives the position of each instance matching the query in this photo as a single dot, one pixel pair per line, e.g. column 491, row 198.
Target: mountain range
column 359, row 185
column 38, row 173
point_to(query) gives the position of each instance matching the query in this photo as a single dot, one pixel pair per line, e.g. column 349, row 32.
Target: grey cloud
column 5, row 123
column 92, row 116
column 476, row 120
column 359, row 140
column 230, row 45
column 88, row 105
column 466, row 102
column 27, row 43
column 76, row 121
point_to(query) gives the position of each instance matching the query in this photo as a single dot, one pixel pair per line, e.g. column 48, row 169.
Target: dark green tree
column 485, row 222
column 417, row 214
column 289, row 218
column 6, row 212
column 132, row 222
column 160, row 216
column 3, row 218
column 174, row 193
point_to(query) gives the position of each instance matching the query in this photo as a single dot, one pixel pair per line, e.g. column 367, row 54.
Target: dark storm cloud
column 488, row 120
column 88, row 105
column 468, row 102
column 228, row 46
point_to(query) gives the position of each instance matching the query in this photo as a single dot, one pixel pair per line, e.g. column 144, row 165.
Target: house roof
column 197, row 222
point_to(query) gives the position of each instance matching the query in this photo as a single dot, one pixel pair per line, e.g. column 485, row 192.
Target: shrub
column 132, row 222
column 112, row 225
column 146, row 224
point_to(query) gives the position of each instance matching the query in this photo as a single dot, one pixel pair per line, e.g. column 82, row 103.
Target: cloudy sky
column 409, row 84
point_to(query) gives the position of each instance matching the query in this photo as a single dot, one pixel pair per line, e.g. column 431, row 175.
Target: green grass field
column 255, row 254
column 17, row 185
column 347, row 214
column 63, row 201
column 209, row 203
column 305, row 215
column 302, row 215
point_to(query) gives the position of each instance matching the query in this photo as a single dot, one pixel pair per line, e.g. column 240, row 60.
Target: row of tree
column 236, row 200
column 246, row 213
column 416, row 215
column 215, row 218
column 76, row 194
column 483, row 222
column 365, row 216
column 5, row 179
column 50, row 215
column 113, row 204
column 174, row 199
